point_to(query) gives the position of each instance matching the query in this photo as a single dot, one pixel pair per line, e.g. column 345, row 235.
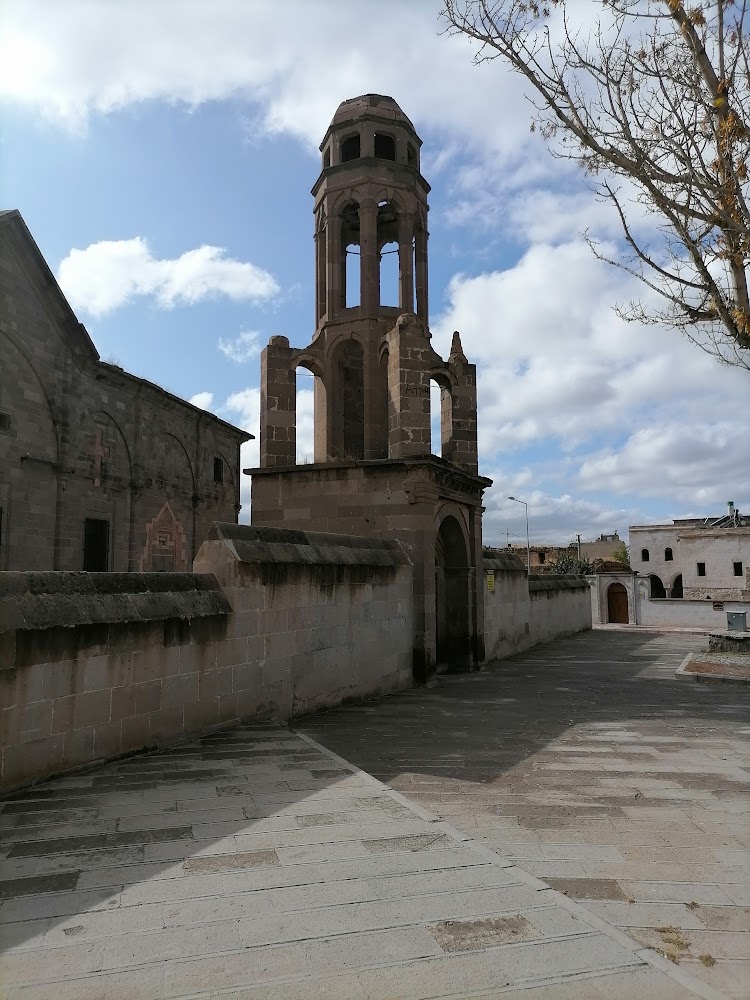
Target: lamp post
column 528, row 548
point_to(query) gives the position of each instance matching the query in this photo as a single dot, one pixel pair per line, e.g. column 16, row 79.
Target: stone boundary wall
column 685, row 613
column 522, row 612
column 93, row 666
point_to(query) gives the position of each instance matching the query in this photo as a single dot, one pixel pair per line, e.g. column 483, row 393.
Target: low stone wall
column 96, row 665
column 522, row 612
column 683, row 613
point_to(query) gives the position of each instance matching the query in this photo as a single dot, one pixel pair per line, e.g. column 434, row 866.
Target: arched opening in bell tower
column 348, row 406
column 350, row 256
column 390, row 272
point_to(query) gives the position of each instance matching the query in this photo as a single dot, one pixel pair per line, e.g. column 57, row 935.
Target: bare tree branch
column 656, row 94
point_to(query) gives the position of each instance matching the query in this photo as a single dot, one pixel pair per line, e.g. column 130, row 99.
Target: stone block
column 92, row 708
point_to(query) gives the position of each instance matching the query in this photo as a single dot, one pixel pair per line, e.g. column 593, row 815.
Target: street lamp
column 528, row 548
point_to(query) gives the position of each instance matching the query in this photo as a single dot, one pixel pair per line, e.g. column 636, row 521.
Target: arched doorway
column 452, row 597
column 617, row 604
column 676, row 590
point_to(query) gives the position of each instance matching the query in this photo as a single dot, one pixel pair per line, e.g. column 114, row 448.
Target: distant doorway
column 452, row 597
column 617, row 604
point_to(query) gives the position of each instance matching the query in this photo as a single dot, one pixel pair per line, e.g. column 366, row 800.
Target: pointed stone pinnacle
column 457, row 352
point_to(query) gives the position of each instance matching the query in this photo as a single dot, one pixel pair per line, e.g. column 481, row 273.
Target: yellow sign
column 490, row 579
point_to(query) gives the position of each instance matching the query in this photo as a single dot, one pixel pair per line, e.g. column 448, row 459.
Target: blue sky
column 164, row 165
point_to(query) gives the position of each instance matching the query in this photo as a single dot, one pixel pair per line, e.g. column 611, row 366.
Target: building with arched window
column 99, row 470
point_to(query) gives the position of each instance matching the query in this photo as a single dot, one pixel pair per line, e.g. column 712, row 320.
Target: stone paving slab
column 167, row 886
column 586, row 763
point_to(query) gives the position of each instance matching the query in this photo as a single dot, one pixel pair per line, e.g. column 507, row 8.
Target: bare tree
column 652, row 100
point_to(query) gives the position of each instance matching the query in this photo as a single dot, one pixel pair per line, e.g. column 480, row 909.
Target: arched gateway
column 374, row 473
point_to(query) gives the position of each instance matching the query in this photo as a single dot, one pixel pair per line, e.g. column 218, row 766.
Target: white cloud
column 109, row 274
column 558, row 371
column 202, row 399
column 243, row 348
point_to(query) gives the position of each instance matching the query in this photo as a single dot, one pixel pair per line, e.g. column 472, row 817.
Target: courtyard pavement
column 586, row 763
column 254, row 863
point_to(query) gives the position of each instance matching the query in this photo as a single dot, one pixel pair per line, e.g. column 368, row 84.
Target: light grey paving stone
column 251, row 967
column 527, row 964
column 678, row 892
column 85, row 860
column 368, row 867
column 40, row 965
column 727, row 856
column 724, row 918
column 645, row 914
column 143, row 984
column 55, row 904
column 567, row 852
column 730, row 978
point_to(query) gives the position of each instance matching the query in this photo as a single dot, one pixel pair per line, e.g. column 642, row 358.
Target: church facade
column 99, row 470
column 373, row 363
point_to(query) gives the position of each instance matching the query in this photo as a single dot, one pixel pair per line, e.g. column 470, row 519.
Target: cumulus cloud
column 111, row 273
column 631, row 410
column 243, row 348
column 202, row 399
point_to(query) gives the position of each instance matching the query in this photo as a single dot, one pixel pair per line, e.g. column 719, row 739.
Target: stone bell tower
column 372, row 361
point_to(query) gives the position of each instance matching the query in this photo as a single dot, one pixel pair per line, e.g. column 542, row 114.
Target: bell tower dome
column 369, row 194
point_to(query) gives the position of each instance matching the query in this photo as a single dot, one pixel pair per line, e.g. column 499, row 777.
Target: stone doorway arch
column 617, row 604
column 452, row 608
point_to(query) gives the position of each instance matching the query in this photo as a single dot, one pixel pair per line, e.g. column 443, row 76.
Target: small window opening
column 701, row 569
column 667, row 555
column 95, row 545
column 738, row 569
column 218, row 470
column 350, row 148
column 5, row 422
column 542, row 558
column 385, row 147
column 327, row 158
column 350, row 262
column 411, row 155
column 644, row 555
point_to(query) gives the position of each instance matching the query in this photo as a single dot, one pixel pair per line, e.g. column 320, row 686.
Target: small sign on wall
column 490, row 580
column 718, row 605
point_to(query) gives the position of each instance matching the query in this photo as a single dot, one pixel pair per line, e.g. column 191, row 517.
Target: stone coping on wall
column 568, row 582
column 505, row 562
column 45, row 600
column 251, row 544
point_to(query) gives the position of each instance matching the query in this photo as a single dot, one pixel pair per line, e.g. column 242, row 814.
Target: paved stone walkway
column 256, row 864
column 586, row 763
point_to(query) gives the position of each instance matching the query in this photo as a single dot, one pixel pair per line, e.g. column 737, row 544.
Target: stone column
column 406, row 263
column 369, row 262
column 335, row 266
column 420, row 252
column 278, row 405
column 463, row 448
column 409, row 358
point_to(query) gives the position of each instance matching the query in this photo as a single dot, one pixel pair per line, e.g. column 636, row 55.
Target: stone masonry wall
column 97, row 665
column 520, row 614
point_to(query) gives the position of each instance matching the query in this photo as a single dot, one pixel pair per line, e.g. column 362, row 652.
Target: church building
column 99, row 470
column 373, row 362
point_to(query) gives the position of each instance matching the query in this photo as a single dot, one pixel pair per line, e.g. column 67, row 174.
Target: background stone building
column 99, row 470
column 372, row 360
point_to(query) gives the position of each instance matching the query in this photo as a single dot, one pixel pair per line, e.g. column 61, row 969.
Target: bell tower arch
column 373, row 361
